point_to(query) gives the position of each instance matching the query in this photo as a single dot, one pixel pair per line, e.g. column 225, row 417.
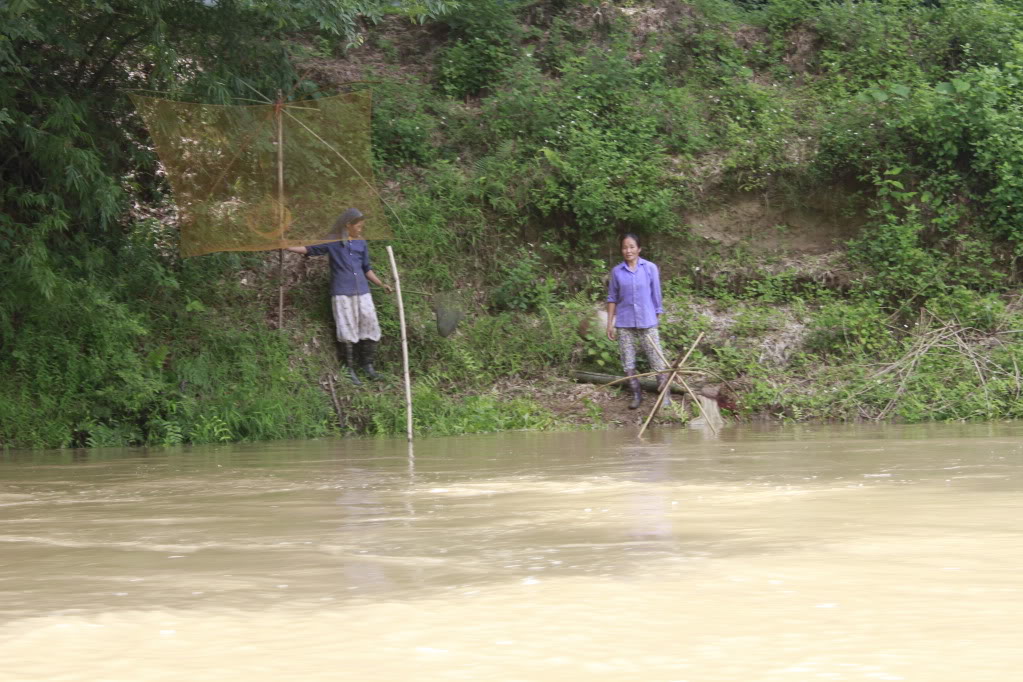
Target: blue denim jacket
column 637, row 295
column 349, row 263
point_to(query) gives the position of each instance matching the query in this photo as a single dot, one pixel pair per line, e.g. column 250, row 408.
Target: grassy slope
column 789, row 327
column 754, row 135
column 747, row 147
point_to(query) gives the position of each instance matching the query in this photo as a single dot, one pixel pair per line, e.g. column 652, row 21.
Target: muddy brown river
column 762, row 554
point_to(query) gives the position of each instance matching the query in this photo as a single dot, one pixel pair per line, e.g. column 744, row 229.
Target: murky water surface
column 823, row 553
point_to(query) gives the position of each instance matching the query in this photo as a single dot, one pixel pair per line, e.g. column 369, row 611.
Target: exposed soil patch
column 398, row 48
column 585, row 405
column 822, row 223
column 661, row 17
column 803, row 46
column 781, row 335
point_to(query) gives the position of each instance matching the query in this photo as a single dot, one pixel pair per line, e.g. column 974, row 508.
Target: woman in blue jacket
column 355, row 316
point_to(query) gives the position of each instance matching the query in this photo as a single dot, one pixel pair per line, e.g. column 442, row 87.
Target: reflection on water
column 845, row 553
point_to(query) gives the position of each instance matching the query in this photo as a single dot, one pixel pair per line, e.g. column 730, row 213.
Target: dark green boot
column 661, row 378
column 368, row 351
column 350, row 363
column 637, row 390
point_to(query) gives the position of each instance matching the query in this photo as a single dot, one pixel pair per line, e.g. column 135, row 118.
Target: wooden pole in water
column 404, row 343
column 280, row 207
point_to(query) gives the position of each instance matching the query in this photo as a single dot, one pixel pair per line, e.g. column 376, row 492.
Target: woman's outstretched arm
column 372, row 277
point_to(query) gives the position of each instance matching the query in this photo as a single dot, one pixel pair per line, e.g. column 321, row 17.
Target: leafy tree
column 77, row 164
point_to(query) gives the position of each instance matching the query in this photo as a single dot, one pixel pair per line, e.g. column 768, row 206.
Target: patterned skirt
column 355, row 318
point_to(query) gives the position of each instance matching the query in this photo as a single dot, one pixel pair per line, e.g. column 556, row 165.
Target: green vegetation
column 515, row 139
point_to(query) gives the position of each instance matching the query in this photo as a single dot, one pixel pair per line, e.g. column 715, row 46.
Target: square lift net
column 262, row 177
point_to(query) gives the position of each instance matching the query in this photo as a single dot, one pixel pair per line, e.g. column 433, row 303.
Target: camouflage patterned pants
column 648, row 339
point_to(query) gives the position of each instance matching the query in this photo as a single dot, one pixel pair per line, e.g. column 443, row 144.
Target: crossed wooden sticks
column 673, row 376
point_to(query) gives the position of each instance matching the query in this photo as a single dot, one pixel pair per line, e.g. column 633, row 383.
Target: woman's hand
column 372, row 277
column 610, row 332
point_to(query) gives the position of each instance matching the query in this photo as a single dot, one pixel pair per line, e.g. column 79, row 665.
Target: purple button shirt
column 637, row 295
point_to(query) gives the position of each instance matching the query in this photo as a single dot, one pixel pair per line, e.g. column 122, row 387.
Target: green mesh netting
column 449, row 311
column 254, row 178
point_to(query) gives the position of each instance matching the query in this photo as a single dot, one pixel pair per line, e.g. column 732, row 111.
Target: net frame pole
column 404, row 343
column 280, row 207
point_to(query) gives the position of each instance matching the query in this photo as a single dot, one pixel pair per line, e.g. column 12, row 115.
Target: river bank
column 828, row 188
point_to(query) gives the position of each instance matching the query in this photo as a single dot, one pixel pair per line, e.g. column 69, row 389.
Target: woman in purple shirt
column 633, row 307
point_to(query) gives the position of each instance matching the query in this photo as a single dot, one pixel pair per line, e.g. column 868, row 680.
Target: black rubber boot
column 661, row 378
column 637, row 390
column 368, row 352
column 350, row 363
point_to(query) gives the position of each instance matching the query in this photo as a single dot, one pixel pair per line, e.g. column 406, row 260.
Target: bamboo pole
column 696, row 402
column 280, row 208
column 601, row 380
column 404, row 343
column 660, row 397
column 643, row 375
column 337, row 403
column 280, row 289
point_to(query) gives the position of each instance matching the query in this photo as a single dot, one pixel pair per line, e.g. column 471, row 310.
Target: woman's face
column 355, row 229
column 630, row 250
